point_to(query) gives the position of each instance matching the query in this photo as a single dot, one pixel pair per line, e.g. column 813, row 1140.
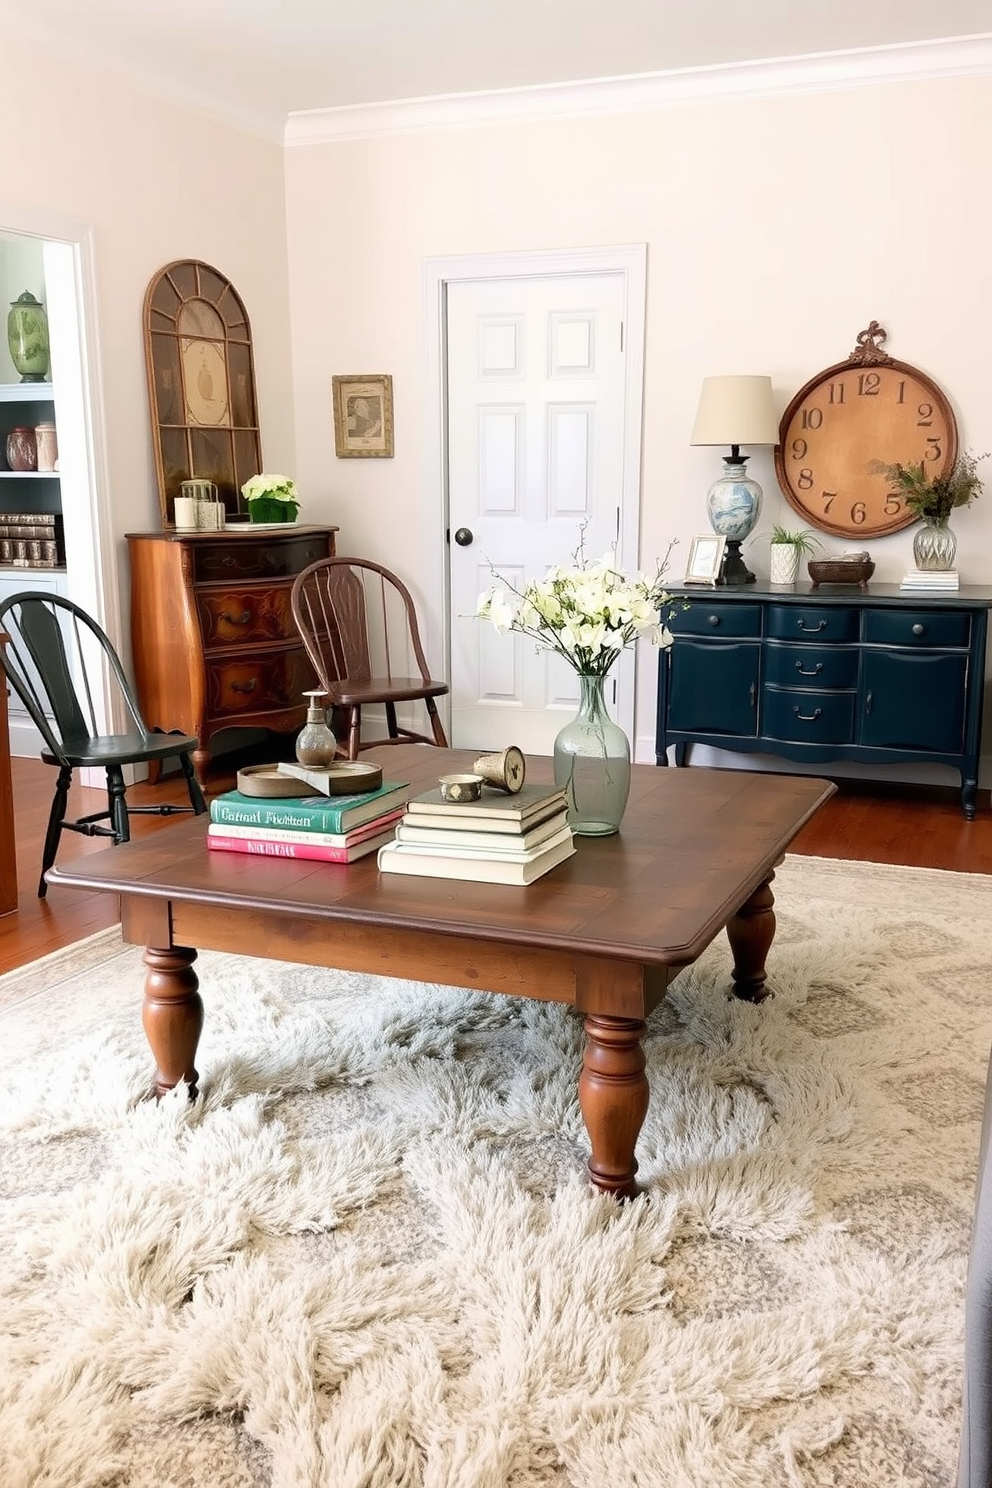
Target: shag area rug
column 367, row 1256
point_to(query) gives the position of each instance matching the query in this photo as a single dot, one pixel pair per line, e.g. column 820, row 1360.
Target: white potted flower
column 271, row 498
column 785, row 550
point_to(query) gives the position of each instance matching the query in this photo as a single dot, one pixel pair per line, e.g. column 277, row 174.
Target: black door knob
column 463, row 537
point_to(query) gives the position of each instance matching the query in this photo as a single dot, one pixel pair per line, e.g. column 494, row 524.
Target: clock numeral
column 836, row 392
column 828, row 498
column 925, row 419
column 858, row 513
column 902, row 391
column 812, row 418
column 934, row 451
column 869, row 386
column 893, row 506
column 805, row 480
column 799, row 448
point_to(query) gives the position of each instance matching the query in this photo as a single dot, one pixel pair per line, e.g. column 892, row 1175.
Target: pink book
column 268, row 848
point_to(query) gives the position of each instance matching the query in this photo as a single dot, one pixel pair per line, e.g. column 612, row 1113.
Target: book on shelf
column 371, row 828
column 322, row 852
column 494, row 812
column 308, row 813
column 475, row 866
column 436, row 833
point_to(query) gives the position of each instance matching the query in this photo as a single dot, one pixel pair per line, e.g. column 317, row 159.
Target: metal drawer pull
column 807, row 671
column 243, row 619
column 244, row 686
column 714, row 619
column 754, row 694
column 812, row 629
column 918, row 629
column 808, row 717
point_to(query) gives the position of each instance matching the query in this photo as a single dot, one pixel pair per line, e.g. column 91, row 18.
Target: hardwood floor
column 918, row 826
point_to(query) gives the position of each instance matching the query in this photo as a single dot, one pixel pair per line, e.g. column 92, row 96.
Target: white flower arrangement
column 272, row 488
column 588, row 614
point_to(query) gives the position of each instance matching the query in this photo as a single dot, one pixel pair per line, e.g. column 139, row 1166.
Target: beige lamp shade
column 736, row 410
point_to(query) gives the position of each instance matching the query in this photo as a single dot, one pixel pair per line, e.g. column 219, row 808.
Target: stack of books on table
column 934, row 580
column 332, row 829
column 503, row 839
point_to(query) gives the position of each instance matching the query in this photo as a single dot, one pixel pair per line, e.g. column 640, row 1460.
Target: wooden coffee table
column 605, row 931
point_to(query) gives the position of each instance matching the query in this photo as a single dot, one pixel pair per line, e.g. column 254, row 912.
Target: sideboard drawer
column 710, row 617
column 809, row 717
column 821, row 667
column 927, row 628
column 259, row 684
column 246, row 557
column 811, row 622
column 235, row 616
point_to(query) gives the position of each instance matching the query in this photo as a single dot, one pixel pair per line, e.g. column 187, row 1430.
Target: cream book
column 476, row 867
column 438, row 834
column 495, row 812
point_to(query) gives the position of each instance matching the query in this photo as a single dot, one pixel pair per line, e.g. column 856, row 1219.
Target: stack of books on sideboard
column 501, row 839
column 331, row 829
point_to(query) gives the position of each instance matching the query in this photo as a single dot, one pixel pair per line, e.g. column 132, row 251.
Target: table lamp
column 734, row 411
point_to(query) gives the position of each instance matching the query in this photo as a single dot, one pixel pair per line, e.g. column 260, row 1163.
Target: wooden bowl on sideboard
column 840, row 571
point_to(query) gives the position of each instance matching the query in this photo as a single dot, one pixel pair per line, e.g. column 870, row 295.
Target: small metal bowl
column 460, row 787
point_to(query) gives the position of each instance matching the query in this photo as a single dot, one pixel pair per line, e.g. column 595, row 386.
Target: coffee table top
column 694, row 845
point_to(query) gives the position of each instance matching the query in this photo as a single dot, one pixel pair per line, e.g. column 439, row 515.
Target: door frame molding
column 628, row 260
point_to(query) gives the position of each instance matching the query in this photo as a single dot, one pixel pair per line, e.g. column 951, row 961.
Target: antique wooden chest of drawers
column 212, row 637
column 878, row 676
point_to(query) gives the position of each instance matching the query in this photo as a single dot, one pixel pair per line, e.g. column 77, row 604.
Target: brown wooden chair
column 359, row 627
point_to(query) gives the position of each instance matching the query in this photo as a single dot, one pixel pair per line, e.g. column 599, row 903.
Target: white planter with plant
column 785, row 551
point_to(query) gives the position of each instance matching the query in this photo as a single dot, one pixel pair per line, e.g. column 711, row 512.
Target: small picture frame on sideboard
column 705, row 558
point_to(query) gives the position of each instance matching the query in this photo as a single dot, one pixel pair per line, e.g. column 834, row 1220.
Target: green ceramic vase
column 27, row 337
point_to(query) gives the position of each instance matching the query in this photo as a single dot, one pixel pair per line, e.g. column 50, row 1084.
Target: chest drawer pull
column 918, row 629
column 243, row 619
column 809, row 671
column 244, row 686
column 808, row 717
column 714, row 619
column 811, row 629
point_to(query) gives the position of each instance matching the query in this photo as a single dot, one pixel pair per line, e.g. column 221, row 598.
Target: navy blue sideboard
column 879, row 676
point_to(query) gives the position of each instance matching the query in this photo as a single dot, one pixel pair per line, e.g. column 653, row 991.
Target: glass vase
column 592, row 764
column 934, row 547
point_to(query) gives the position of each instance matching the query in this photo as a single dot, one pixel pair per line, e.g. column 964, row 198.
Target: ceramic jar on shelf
column 47, row 445
column 21, row 450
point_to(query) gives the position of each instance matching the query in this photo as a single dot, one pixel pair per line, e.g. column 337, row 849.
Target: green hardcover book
column 308, row 813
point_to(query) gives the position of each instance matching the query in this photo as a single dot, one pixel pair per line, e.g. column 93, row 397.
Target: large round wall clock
column 849, row 418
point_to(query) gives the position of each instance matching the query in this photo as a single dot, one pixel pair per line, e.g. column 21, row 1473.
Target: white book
column 510, row 852
column 930, row 586
column 432, row 831
column 504, row 868
column 939, row 577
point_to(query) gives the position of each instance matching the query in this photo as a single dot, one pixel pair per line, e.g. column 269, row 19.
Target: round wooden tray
column 346, row 778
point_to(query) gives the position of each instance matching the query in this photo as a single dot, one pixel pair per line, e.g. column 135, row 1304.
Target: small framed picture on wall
column 363, row 416
column 705, row 557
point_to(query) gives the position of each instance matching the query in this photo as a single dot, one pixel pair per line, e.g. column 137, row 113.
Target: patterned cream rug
column 367, row 1256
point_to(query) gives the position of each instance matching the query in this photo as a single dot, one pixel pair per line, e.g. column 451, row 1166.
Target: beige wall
column 777, row 229
column 154, row 182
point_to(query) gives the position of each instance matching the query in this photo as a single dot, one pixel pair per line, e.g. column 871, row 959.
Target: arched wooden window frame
column 205, row 416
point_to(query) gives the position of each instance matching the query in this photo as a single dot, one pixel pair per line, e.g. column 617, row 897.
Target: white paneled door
column 536, row 380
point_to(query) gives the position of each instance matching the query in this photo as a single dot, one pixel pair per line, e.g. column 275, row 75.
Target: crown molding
column 956, row 56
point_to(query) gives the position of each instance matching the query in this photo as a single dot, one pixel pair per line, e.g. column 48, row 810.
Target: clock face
column 869, row 408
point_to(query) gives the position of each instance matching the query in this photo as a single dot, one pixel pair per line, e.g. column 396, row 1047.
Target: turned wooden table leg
column 613, row 1095
column 751, row 932
column 172, row 1016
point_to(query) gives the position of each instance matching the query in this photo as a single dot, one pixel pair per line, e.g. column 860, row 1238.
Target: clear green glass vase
column 592, row 764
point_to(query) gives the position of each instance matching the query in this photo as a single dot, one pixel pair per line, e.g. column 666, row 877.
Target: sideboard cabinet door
column 914, row 702
column 714, row 687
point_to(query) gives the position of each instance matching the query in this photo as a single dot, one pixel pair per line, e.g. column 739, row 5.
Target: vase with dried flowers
column 932, row 498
